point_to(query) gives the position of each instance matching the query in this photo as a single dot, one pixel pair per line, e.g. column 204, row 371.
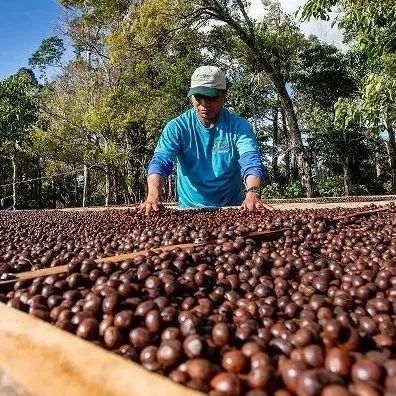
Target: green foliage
column 48, row 54
column 277, row 191
column 317, row 9
column 18, row 114
column 18, row 109
column 333, row 186
column 322, row 73
column 375, row 109
column 272, row 191
column 330, row 186
column 371, row 24
column 293, row 190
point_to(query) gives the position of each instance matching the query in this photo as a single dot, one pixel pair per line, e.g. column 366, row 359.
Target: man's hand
column 152, row 203
column 253, row 202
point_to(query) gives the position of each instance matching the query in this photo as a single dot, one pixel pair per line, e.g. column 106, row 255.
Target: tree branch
column 246, row 17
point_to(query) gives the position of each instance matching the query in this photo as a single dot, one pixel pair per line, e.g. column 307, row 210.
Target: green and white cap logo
column 207, row 81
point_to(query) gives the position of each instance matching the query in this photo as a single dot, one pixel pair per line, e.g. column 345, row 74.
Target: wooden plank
column 48, row 361
column 126, row 256
column 268, row 235
column 360, row 214
column 60, row 269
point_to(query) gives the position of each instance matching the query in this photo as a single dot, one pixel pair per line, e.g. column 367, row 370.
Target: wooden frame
column 48, row 361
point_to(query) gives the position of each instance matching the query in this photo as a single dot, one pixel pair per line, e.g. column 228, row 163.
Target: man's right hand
column 152, row 204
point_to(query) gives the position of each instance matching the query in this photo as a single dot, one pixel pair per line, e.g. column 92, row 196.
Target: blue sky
column 23, row 25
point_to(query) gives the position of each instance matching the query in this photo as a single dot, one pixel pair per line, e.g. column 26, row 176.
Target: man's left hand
column 253, row 202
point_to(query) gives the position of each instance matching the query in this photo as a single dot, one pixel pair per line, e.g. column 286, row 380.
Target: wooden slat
column 60, row 269
column 360, row 214
column 267, row 235
column 126, row 256
column 48, row 361
column 43, row 272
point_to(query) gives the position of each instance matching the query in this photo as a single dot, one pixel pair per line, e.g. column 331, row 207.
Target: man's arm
column 252, row 169
column 155, row 183
column 160, row 168
column 252, row 199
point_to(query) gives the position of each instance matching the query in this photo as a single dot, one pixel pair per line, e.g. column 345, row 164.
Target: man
column 214, row 148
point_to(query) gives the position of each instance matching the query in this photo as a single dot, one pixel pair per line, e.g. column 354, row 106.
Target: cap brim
column 205, row 91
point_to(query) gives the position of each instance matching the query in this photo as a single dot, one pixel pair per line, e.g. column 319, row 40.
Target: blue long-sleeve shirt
column 211, row 162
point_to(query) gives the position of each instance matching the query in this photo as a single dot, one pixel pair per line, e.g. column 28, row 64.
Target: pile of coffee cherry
column 312, row 312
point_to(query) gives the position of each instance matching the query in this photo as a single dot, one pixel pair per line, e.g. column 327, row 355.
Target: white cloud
column 321, row 29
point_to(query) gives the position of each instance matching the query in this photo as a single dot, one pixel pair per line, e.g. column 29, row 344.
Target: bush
column 272, row 191
column 388, row 187
column 293, row 190
column 360, row 189
column 276, row 191
column 332, row 186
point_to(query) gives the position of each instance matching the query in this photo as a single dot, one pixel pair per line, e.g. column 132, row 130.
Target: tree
column 371, row 24
column 116, row 97
column 18, row 114
column 321, row 76
column 49, row 54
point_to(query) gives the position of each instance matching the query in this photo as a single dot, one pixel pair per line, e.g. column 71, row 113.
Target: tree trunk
column 377, row 150
column 298, row 150
column 315, row 162
column 378, row 170
column 107, row 185
column 85, row 198
column 125, row 190
column 39, row 191
column 392, row 155
column 53, row 193
column 118, row 190
column 287, row 159
column 346, row 166
column 14, row 180
column 347, row 177
column 127, row 177
column 75, row 183
column 275, row 135
column 128, row 173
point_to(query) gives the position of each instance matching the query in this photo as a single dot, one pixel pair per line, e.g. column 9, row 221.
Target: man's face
column 208, row 108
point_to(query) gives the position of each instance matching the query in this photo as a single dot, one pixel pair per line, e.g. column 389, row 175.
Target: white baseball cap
column 207, row 81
